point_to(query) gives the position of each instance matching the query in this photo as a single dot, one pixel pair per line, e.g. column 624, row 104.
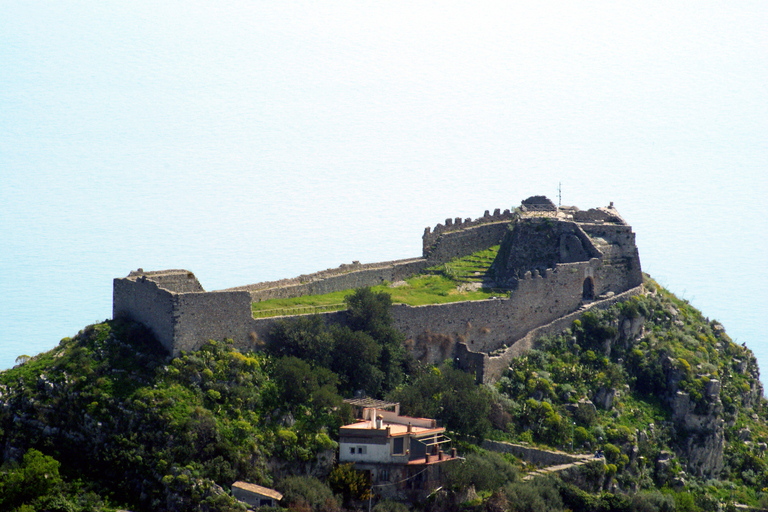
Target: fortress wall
column 373, row 276
column 494, row 367
column 142, row 300
column 199, row 317
column 178, row 281
column 617, row 234
column 344, row 268
column 433, row 332
column 621, row 263
column 466, row 241
column 431, row 235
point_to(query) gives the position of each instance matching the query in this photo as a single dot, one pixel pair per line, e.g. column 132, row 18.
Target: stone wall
column 186, row 321
column 466, row 331
column 346, row 277
column 494, row 366
column 621, row 260
column 465, row 241
column 481, row 335
column 143, row 300
column 177, row 281
column 486, row 325
column 530, row 454
column 431, row 235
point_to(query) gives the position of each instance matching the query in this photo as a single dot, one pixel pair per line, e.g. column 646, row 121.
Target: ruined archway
column 588, row 290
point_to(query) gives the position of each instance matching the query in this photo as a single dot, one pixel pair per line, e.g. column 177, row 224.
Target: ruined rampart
column 346, row 277
column 480, row 335
column 143, row 300
column 454, row 238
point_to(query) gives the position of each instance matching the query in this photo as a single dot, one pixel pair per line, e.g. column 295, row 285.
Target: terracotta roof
column 264, row 491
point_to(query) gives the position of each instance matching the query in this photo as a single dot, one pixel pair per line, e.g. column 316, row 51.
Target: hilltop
column 113, row 420
column 524, row 334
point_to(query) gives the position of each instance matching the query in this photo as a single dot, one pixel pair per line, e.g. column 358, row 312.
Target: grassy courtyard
column 454, row 281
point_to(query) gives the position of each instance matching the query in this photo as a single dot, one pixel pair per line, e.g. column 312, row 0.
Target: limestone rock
column 604, row 398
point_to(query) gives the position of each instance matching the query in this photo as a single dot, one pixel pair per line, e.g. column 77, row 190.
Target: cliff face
column 692, row 385
column 661, row 388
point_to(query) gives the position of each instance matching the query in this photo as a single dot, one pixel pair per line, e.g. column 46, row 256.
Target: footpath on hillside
column 551, row 461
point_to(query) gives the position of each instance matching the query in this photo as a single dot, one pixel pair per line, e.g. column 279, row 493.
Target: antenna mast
column 559, row 194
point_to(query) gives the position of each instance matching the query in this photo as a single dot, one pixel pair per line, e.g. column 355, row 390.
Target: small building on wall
column 404, row 456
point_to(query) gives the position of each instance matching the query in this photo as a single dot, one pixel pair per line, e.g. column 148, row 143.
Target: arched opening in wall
column 588, row 290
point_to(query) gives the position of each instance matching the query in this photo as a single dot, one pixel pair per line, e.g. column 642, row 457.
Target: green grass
column 437, row 285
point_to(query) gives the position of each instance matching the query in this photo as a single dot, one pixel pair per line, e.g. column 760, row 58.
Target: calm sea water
column 255, row 142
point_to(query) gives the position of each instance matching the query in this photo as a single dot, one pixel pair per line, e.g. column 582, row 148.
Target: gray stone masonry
column 594, row 256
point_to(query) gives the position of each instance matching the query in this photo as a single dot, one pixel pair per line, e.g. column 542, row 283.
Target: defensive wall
column 445, row 242
column 183, row 316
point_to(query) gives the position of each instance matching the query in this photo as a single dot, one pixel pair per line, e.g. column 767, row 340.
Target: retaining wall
column 494, row 367
column 535, row 456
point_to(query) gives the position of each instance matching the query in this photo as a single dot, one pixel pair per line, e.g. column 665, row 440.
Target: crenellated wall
column 480, row 335
column 452, row 226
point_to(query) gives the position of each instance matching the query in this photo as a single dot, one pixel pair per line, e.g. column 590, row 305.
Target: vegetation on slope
column 130, row 426
column 107, row 419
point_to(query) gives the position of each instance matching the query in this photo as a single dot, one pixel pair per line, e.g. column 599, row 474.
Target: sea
column 253, row 141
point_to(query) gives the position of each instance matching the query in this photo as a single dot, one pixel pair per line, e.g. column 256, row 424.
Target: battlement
column 432, row 235
column 552, row 261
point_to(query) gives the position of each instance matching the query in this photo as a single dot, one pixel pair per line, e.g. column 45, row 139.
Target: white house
column 403, row 455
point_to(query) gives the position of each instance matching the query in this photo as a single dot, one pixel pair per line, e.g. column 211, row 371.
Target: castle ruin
column 552, row 261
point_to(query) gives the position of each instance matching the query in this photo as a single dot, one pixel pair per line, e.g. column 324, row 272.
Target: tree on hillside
column 367, row 353
column 450, row 395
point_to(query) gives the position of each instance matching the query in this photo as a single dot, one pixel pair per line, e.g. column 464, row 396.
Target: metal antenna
column 559, row 194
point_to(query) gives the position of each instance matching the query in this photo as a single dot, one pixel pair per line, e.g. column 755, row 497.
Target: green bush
column 306, row 491
column 486, row 472
column 390, row 506
column 351, row 484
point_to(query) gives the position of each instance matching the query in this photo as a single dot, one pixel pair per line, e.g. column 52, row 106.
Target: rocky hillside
column 107, row 420
column 660, row 389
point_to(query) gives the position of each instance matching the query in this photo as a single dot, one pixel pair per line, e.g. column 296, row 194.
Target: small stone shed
column 255, row 495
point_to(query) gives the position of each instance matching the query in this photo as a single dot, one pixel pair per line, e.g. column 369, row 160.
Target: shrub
column 308, row 491
column 539, row 495
column 350, row 483
column 486, row 472
column 612, row 453
column 36, row 478
column 390, row 506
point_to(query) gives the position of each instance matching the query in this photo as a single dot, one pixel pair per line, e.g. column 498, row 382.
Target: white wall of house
column 376, row 453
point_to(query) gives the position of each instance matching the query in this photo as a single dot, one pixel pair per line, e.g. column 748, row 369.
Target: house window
column 383, row 475
column 398, row 447
column 361, row 450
